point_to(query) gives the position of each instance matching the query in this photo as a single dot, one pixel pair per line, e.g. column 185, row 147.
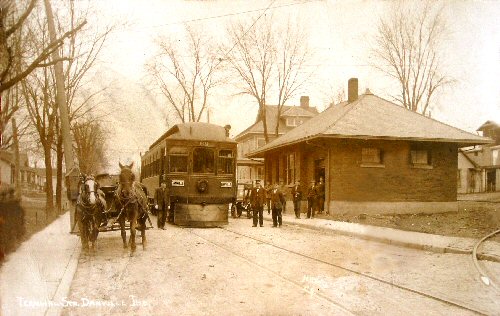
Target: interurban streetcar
column 197, row 161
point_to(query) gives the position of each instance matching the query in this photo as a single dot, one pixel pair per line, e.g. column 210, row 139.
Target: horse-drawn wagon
column 108, row 185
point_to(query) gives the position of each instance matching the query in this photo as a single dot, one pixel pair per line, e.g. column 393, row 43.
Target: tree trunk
column 49, row 193
column 264, row 121
column 60, row 157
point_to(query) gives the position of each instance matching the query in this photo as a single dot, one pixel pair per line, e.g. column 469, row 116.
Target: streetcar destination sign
column 177, row 183
column 226, row 184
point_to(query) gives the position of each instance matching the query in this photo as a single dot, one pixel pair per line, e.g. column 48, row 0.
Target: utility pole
column 72, row 172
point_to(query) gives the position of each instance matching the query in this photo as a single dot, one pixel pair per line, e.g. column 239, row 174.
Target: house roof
column 461, row 151
column 488, row 124
column 271, row 119
column 372, row 117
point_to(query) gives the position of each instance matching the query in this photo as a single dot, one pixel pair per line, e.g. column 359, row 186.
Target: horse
column 132, row 203
column 90, row 207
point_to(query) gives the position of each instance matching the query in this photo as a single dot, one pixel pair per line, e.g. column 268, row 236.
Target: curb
column 390, row 241
column 66, row 280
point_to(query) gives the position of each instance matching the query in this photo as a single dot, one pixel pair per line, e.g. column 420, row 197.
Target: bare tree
column 408, row 49
column 253, row 59
column 90, row 140
column 268, row 65
column 43, row 112
column 292, row 55
column 82, row 51
column 16, row 61
column 333, row 95
column 186, row 74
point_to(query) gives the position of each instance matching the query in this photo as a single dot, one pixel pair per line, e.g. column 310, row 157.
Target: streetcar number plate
column 177, row 183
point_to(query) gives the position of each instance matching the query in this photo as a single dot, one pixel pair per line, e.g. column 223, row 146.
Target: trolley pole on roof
column 72, row 170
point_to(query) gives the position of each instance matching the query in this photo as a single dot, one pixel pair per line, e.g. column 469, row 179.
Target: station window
column 290, row 168
column 203, row 160
column 420, row 157
column 178, row 159
column 226, row 161
column 261, row 142
column 371, row 156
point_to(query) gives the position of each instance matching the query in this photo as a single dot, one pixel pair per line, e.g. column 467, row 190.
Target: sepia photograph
column 235, row 157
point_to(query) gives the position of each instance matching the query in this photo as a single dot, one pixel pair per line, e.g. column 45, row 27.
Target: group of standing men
column 315, row 198
column 275, row 197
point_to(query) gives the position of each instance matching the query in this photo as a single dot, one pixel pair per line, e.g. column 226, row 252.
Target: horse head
column 88, row 190
column 127, row 178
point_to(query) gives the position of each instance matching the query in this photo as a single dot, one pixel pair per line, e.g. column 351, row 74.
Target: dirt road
column 272, row 271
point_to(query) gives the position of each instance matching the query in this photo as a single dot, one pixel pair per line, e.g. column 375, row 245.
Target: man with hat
column 277, row 202
column 320, row 188
column 312, row 195
column 297, row 197
column 162, row 201
column 257, row 201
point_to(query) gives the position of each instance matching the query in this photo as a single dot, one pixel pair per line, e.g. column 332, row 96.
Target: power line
column 229, row 14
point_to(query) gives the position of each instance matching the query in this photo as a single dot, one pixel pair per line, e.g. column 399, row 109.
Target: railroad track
column 484, row 276
column 344, row 268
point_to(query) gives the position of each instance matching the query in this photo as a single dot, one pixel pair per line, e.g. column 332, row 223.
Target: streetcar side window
column 203, row 160
column 226, row 161
column 178, row 159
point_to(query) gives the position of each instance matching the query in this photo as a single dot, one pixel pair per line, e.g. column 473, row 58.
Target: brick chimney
column 304, row 102
column 352, row 90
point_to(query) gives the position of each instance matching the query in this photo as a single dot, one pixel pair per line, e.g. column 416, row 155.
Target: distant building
column 252, row 138
column 375, row 157
column 6, row 169
column 31, row 179
column 484, row 174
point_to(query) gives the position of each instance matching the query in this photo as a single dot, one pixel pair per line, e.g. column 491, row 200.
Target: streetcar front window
column 203, row 160
column 178, row 159
column 226, row 162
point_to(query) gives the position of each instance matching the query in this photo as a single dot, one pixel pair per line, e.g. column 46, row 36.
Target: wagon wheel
column 249, row 211
column 239, row 210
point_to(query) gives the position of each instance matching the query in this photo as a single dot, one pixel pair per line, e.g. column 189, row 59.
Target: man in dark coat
column 162, row 201
column 320, row 188
column 268, row 189
column 284, row 190
column 312, row 196
column 257, row 201
column 277, row 202
column 297, row 197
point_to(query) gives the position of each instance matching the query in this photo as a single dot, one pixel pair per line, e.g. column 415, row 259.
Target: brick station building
column 375, row 157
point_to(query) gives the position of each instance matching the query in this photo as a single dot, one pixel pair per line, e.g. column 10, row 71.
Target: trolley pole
column 72, row 170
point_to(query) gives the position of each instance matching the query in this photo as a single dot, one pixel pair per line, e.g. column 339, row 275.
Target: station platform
column 490, row 250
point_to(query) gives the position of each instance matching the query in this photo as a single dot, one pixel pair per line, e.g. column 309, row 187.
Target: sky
column 340, row 33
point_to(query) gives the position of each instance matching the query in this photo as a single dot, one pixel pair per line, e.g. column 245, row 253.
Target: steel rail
column 322, row 296
column 484, row 277
column 402, row 287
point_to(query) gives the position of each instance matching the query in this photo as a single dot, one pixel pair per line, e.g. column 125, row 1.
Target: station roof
column 372, row 117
